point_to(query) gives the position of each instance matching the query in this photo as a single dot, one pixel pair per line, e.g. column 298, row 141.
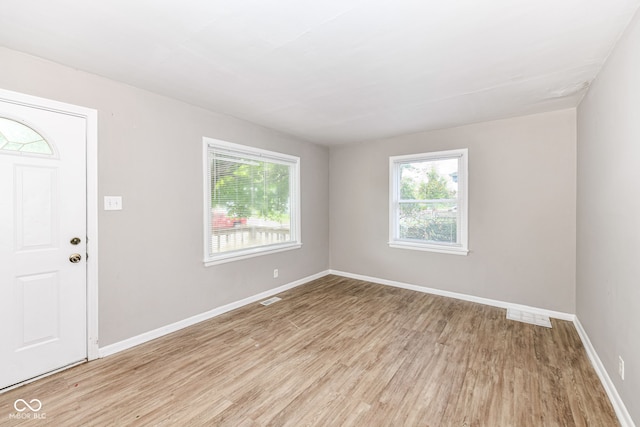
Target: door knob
column 75, row 258
column 75, row 241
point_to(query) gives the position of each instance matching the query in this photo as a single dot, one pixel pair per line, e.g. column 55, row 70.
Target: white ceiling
column 334, row 71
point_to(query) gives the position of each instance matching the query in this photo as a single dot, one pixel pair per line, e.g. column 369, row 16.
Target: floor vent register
column 526, row 317
column 270, row 301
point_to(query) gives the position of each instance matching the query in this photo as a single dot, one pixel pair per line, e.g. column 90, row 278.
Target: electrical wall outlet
column 621, row 367
column 275, row 273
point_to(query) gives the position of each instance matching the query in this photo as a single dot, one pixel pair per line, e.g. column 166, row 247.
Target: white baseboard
column 618, row 405
column 157, row 333
column 486, row 301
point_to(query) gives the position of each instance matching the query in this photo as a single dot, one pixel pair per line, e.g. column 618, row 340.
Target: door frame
column 91, row 120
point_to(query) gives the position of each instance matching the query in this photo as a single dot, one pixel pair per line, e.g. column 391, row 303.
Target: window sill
column 250, row 253
column 453, row 250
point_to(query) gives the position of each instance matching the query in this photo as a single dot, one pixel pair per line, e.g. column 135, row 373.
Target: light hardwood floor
column 336, row 352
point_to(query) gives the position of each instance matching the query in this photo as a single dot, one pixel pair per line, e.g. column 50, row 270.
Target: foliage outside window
column 252, row 201
column 428, row 201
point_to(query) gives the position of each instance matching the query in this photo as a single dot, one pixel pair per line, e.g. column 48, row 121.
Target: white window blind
column 252, row 201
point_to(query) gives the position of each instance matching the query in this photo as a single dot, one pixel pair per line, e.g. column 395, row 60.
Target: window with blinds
column 252, row 201
column 428, row 206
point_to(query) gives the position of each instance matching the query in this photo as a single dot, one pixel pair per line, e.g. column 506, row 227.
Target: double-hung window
column 252, row 201
column 428, row 201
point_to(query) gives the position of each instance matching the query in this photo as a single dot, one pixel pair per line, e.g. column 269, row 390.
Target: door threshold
column 39, row 377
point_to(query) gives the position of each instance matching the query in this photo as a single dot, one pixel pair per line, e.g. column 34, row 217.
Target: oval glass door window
column 18, row 138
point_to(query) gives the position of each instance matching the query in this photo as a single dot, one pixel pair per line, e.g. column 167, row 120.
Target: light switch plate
column 112, row 203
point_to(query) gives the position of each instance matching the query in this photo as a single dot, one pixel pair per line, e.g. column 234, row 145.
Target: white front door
column 43, row 229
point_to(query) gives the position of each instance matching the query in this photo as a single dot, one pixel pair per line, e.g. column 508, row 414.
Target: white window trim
column 394, row 194
column 296, row 228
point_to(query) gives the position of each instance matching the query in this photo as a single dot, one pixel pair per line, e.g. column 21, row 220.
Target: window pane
column 251, row 203
column 14, row 136
column 428, row 201
column 431, row 221
column 428, row 180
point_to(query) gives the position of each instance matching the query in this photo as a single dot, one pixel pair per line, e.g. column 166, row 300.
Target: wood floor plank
column 336, row 352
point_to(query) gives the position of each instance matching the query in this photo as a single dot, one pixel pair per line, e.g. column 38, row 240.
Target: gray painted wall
column 608, row 234
column 150, row 152
column 521, row 211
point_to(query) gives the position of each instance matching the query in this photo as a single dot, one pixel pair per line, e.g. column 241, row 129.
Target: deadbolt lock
column 75, row 258
column 75, row 241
